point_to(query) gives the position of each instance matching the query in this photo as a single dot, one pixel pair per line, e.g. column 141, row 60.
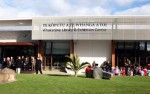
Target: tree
column 75, row 64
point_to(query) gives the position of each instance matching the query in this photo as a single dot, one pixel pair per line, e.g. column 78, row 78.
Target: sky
column 35, row 8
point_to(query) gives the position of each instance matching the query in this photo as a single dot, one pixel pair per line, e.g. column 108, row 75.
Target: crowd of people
column 21, row 63
column 127, row 70
column 132, row 71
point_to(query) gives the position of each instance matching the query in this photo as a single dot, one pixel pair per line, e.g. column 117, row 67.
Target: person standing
column 4, row 63
column 108, row 66
column 26, row 63
column 18, row 65
column 123, row 72
column 38, row 65
column 0, row 59
column 33, row 61
column 88, row 72
column 8, row 62
column 117, row 71
column 12, row 62
column 0, row 63
column 93, row 64
column 148, row 71
column 22, row 62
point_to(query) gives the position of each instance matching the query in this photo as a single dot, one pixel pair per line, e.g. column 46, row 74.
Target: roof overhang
column 16, row 44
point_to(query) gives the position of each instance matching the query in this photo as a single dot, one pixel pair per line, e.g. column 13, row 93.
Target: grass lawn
column 48, row 84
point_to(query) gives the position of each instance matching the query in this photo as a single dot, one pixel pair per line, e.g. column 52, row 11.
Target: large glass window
column 59, row 51
column 148, row 52
column 120, row 45
column 142, row 45
column 0, row 50
column 129, row 45
column 48, row 48
column 58, row 47
column 61, row 48
column 148, row 46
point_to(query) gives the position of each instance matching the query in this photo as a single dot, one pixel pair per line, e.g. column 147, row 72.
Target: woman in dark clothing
column 4, row 63
column 22, row 63
column 18, row 65
column 26, row 63
column 38, row 65
column 12, row 63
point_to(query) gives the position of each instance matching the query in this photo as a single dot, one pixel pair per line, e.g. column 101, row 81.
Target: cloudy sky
column 30, row 8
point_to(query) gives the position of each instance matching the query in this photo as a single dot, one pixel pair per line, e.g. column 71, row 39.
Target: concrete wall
column 92, row 50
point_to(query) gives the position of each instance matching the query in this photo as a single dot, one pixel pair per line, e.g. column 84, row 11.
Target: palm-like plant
column 75, row 64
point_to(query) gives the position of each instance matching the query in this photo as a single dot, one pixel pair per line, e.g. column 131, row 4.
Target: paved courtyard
column 52, row 72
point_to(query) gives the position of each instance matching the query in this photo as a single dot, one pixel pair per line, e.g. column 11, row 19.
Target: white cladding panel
column 91, row 28
column 89, row 51
column 68, row 28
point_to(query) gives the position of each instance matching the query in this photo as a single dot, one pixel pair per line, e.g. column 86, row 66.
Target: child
column 131, row 72
column 142, row 72
column 148, row 71
column 117, row 71
column 88, row 71
column 145, row 72
column 123, row 72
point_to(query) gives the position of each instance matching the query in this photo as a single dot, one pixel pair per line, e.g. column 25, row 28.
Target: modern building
column 92, row 38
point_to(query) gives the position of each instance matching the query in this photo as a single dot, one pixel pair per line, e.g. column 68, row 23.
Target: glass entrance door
column 55, row 52
column 125, row 52
column 136, row 52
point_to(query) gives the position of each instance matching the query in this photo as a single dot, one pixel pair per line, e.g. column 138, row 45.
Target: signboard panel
column 70, row 28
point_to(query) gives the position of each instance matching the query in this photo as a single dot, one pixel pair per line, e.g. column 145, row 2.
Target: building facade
column 92, row 38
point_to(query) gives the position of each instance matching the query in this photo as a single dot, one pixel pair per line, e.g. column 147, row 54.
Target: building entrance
column 54, row 53
column 17, row 50
column 133, row 53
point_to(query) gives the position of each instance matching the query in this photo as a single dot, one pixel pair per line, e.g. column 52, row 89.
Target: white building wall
column 93, row 50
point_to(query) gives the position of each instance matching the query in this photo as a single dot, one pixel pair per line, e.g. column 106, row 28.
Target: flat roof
column 105, row 18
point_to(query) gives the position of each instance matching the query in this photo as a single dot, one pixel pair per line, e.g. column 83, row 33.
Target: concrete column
column 51, row 56
column 44, row 62
column 40, row 54
column 113, row 54
column 40, row 49
column 71, row 48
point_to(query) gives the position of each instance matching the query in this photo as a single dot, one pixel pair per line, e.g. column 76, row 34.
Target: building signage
column 73, row 27
column 70, row 28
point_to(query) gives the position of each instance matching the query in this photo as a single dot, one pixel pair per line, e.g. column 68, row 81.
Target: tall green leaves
column 74, row 64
